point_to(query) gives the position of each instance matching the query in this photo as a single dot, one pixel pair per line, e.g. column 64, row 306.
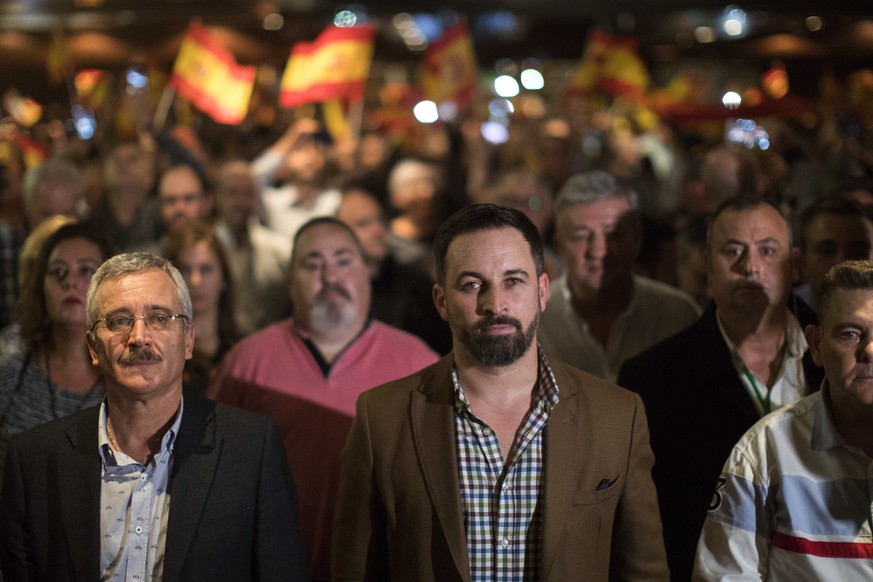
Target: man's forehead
column 839, row 226
column 354, row 206
column 149, row 284
column 763, row 221
column 849, row 304
column 612, row 208
column 180, row 179
column 480, row 246
column 325, row 240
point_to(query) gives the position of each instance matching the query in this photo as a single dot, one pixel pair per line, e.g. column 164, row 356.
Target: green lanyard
column 765, row 402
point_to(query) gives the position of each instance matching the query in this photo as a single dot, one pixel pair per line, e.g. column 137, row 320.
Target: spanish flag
column 334, row 66
column 450, row 68
column 611, row 64
column 207, row 74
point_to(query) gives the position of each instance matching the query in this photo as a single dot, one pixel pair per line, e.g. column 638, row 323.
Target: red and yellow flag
column 611, row 64
column 207, row 74
column 334, row 66
column 450, row 68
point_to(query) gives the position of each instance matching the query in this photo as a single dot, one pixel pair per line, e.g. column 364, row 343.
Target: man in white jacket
column 793, row 501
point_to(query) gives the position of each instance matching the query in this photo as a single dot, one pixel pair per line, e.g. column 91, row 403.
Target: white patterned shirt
column 134, row 508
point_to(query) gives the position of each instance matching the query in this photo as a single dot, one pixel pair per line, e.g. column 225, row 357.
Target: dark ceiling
column 113, row 33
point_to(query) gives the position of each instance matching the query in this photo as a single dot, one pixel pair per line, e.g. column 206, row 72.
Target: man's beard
column 501, row 350
column 332, row 312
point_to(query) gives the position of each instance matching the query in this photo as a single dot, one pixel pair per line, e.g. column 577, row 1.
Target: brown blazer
column 399, row 511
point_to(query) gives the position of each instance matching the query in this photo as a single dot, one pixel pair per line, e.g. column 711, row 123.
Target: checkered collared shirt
column 502, row 501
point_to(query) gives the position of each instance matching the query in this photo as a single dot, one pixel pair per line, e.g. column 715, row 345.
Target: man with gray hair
column 600, row 313
column 148, row 485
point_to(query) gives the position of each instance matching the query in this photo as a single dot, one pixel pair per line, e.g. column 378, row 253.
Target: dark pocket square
column 605, row 484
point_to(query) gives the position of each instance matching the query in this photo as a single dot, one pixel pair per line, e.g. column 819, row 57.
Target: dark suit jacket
column 697, row 409
column 399, row 513
column 233, row 509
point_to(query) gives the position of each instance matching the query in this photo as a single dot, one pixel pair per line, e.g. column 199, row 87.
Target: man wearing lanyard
column 793, row 500
column 148, row 486
column 496, row 463
column 705, row 386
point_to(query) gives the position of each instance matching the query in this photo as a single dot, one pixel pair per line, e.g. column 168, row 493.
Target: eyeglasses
column 153, row 321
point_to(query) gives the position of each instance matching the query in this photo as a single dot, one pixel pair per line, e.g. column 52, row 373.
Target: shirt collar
column 546, row 390
column 108, row 455
column 795, row 341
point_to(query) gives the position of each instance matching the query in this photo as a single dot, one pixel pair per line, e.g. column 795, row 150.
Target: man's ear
column 543, row 290
column 89, row 339
column 813, row 340
column 439, row 300
column 189, row 339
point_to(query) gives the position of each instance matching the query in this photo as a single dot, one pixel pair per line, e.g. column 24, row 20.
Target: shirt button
column 138, row 529
column 507, row 486
column 486, row 431
column 504, row 543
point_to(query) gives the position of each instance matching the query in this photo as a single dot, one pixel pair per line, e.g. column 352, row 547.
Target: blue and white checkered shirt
column 502, row 501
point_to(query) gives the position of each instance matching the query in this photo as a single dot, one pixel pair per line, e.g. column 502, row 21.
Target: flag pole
column 356, row 117
column 163, row 108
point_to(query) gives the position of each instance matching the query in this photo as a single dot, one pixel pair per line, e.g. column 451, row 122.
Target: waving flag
column 450, row 67
column 207, row 74
column 611, row 64
column 333, row 66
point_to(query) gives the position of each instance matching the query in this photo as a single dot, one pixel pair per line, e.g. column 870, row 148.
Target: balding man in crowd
column 308, row 371
column 746, row 356
column 182, row 197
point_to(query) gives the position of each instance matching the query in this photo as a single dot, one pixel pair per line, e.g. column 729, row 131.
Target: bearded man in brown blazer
column 495, row 463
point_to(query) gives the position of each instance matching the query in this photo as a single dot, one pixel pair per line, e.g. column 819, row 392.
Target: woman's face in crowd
column 70, row 266
column 202, row 272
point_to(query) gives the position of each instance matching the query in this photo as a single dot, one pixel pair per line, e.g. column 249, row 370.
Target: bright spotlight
column 345, row 19
column 494, row 132
column 731, row 99
column 506, row 86
column 532, row 80
column 426, row 111
column 734, row 22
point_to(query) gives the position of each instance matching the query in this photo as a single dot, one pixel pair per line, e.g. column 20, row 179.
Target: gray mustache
column 145, row 355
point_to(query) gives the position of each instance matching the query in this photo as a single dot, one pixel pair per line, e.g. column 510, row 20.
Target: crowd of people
column 496, row 296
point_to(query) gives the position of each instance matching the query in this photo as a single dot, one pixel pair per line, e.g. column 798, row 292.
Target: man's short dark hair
column 478, row 217
column 836, row 204
column 743, row 203
column 324, row 221
column 846, row 276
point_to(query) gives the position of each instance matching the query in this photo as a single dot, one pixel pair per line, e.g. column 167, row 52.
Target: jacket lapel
column 433, row 431
column 78, row 480
column 562, row 447
column 195, row 456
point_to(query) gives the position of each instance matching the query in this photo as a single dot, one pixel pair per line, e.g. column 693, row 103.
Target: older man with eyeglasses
column 149, row 485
